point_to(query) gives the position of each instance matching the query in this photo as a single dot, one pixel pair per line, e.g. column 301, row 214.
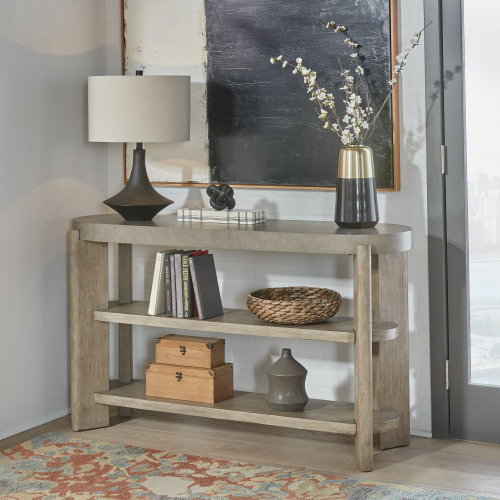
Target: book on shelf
column 178, row 283
column 189, row 305
column 173, row 289
column 205, row 286
column 157, row 304
column 235, row 216
column 168, row 285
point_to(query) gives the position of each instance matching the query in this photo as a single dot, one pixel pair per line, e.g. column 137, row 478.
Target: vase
column 356, row 206
column 287, row 384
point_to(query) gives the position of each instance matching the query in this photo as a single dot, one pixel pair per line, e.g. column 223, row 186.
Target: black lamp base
column 138, row 201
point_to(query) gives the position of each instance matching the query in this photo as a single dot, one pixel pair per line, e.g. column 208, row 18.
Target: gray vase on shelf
column 287, row 384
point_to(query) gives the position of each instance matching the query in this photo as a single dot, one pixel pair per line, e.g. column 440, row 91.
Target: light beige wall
column 49, row 173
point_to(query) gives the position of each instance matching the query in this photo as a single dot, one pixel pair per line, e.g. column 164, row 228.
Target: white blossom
column 356, row 121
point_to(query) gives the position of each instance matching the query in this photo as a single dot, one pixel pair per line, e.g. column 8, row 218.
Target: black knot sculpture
column 221, row 196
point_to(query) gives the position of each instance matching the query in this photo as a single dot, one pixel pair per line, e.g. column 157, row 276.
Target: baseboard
column 26, row 426
column 425, row 434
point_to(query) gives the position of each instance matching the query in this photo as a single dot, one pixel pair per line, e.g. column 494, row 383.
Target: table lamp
column 139, row 109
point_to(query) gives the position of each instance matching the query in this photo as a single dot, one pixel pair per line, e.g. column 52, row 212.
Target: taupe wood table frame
column 379, row 329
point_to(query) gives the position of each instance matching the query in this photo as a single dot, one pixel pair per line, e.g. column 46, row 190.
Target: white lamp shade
column 139, row 108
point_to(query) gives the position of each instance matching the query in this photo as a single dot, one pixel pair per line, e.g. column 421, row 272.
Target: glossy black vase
column 138, row 201
column 356, row 206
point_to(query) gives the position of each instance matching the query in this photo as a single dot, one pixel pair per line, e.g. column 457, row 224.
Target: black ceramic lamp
column 139, row 109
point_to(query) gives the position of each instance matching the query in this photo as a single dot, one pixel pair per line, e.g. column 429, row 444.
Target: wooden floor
column 459, row 466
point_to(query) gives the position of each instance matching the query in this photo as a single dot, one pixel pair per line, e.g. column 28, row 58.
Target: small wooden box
column 189, row 383
column 190, row 351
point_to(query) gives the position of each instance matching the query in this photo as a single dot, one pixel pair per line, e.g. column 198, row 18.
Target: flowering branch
column 356, row 125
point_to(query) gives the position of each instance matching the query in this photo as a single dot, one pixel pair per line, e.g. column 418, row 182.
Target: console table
column 379, row 329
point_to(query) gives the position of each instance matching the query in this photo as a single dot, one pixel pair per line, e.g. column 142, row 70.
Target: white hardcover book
column 157, row 300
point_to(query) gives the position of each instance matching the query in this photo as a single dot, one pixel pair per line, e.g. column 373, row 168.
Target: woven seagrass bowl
column 294, row 305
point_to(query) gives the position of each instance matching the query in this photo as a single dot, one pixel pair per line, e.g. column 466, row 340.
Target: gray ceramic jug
column 287, row 384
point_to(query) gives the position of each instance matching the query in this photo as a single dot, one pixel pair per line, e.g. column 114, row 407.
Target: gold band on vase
column 355, row 162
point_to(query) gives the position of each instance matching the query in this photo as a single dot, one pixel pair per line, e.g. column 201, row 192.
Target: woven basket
column 294, row 305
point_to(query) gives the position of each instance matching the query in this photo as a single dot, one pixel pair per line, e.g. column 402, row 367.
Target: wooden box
column 189, row 383
column 190, row 351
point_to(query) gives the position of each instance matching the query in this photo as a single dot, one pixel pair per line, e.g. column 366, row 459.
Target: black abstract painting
column 263, row 130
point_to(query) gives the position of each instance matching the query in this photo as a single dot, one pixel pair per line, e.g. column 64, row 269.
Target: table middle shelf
column 242, row 322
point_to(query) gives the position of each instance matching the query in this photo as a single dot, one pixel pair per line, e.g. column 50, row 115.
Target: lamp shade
column 139, row 108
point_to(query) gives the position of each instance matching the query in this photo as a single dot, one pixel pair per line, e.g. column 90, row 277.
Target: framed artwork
column 252, row 124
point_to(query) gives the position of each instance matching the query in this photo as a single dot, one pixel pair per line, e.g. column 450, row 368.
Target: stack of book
column 185, row 285
column 244, row 217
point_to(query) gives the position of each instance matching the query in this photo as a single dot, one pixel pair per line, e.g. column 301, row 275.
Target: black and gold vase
column 356, row 206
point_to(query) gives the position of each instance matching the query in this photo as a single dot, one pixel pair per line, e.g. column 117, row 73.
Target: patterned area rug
column 54, row 466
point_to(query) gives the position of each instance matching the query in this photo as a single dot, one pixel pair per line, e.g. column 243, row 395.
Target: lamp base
column 138, row 201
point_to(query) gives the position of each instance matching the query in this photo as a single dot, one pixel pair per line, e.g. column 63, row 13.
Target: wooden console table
column 379, row 329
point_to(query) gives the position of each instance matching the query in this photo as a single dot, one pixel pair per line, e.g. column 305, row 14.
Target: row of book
column 185, row 285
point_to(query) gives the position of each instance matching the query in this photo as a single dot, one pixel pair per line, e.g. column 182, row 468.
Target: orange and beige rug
column 55, row 466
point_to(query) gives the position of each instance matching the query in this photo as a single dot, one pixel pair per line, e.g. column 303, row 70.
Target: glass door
column 472, row 134
column 483, row 189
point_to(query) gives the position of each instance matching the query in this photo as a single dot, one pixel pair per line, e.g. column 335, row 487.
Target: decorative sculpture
column 221, row 196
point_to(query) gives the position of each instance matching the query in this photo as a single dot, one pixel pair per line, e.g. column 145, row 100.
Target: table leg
column 125, row 331
column 391, row 359
column 89, row 338
column 363, row 395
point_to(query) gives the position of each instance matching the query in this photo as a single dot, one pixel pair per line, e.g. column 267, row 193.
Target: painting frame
column 395, row 118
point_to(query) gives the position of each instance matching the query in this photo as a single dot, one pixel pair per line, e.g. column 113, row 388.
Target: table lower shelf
column 319, row 415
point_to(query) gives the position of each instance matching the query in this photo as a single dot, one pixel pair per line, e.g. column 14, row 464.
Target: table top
column 299, row 236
